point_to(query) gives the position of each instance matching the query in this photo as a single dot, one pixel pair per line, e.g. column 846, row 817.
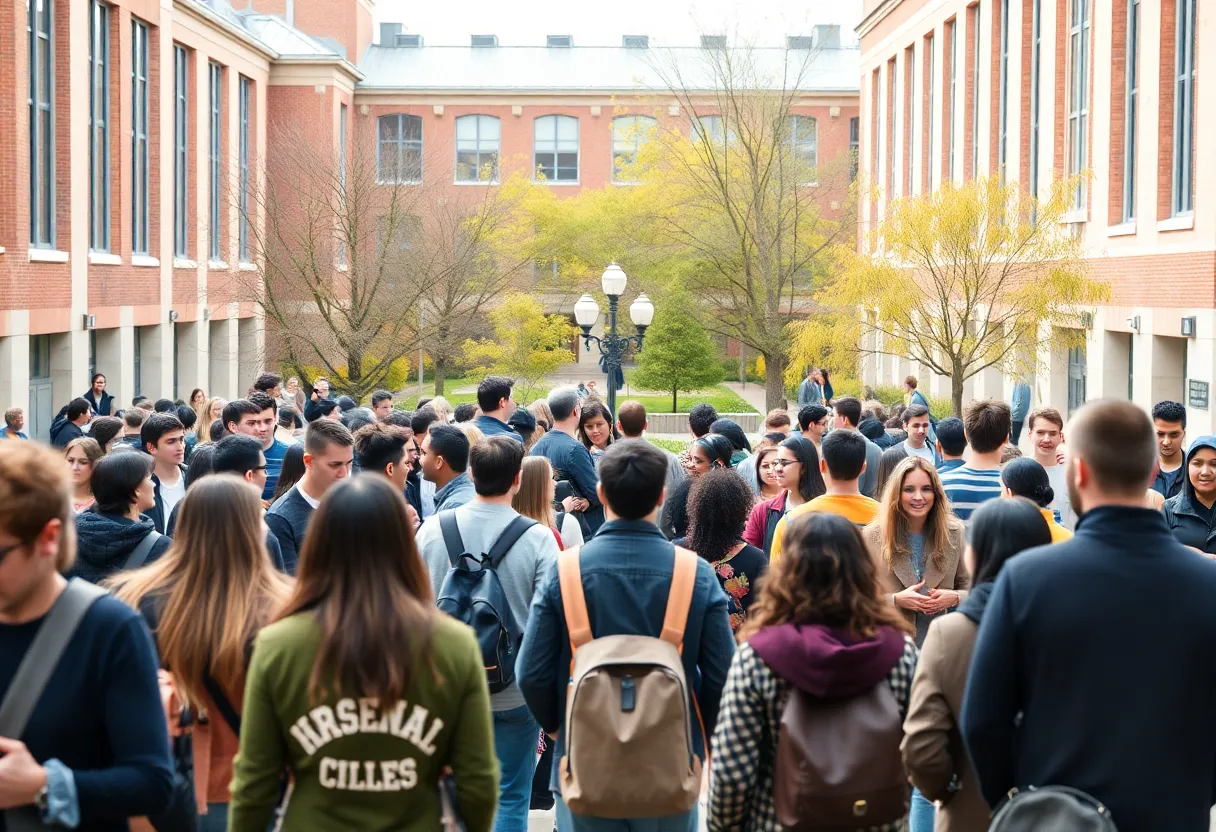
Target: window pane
column 466, row 128
column 567, row 129
column 489, row 128
column 411, row 164
column 389, row 127
column 412, row 128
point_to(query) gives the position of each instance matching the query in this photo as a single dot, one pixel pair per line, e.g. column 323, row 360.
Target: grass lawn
column 676, row 446
column 721, row 397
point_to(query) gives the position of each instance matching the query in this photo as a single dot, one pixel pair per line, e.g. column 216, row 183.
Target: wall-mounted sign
column 1197, row 394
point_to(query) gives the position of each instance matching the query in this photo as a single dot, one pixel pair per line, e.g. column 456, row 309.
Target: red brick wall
column 994, row 96
column 950, row 32
column 1118, row 113
column 1165, row 110
column 1169, row 280
column 926, row 114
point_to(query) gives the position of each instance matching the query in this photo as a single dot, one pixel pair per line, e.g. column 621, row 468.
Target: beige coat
column 951, row 573
column 933, row 745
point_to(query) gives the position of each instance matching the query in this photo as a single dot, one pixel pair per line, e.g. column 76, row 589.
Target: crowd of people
column 293, row 609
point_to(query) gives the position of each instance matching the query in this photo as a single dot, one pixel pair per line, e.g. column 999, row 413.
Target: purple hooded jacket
column 828, row 662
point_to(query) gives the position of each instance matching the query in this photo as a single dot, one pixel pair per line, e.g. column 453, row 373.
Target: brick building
column 1043, row 89
column 143, row 128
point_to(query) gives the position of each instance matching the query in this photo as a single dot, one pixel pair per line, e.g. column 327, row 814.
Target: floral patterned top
column 737, row 574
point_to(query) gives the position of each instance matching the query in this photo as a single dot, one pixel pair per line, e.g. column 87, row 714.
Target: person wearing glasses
column 796, row 466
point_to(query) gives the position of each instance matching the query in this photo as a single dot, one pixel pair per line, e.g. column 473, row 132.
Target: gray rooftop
column 591, row 68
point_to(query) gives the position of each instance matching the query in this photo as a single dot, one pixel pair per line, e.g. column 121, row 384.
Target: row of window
column 555, row 145
column 43, row 139
column 1077, row 90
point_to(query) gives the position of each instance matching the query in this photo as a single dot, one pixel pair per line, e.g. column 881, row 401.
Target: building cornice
column 875, row 17
column 210, row 18
column 448, row 92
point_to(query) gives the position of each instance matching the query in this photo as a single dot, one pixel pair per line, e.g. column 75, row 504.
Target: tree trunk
column 441, row 372
column 956, row 391
column 774, row 382
column 674, row 406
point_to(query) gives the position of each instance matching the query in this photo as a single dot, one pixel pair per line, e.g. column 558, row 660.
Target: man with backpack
column 649, row 621
column 82, row 731
column 480, row 555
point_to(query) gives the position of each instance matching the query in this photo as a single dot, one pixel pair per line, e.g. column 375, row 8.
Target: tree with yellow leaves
column 528, row 345
column 961, row 280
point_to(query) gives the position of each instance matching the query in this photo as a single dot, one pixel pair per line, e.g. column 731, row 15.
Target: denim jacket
column 626, row 573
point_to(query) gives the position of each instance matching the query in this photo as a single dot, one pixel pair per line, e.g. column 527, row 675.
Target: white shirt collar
column 308, row 499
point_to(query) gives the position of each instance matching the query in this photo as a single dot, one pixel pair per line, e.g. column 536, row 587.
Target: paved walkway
column 751, row 393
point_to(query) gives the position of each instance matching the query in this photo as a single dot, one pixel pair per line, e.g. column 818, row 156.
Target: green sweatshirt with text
column 354, row 767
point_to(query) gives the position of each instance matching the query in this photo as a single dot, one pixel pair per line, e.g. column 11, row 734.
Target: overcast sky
column 668, row 22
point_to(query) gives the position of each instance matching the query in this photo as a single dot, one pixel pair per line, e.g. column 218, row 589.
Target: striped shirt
column 967, row 487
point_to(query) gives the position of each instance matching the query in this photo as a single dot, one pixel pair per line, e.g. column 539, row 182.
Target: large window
column 246, row 103
column 975, row 97
column 215, row 91
column 1003, row 134
column 892, row 110
column 854, row 145
column 629, row 133
column 477, row 144
column 1131, row 100
column 931, row 98
column 42, row 125
column 1184, row 107
column 804, row 141
column 1078, row 372
column 342, row 258
column 399, row 149
column 555, row 153
column 1078, row 95
column 909, row 117
column 708, row 128
column 953, row 103
column 181, row 151
column 1036, row 52
column 99, row 127
column 139, row 137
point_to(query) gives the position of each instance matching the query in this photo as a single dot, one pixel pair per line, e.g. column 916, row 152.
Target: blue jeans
column 216, row 819
column 516, row 736
column 567, row 822
column 922, row 815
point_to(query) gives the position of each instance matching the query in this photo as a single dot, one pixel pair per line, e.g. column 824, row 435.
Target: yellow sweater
column 1058, row 533
column 856, row 508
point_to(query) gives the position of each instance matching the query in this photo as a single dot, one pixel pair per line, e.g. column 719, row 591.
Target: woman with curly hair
column 818, row 630
column 718, row 505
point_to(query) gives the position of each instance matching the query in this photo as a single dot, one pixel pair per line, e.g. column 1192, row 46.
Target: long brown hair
column 532, row 499
column 825, row 576
column 893, row 521
column 215, row 585
column 361, row 575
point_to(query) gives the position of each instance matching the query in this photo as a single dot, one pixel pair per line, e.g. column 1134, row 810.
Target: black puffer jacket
column 105, row 541
column 1191, row 524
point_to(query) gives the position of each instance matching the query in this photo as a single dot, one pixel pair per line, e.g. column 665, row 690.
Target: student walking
column 93, row 749
column 1051, row 697
column 204, row 602
column 718, row 508
column 114, row 534
column 933, row 744
column 1025, row 477
column 819, row 630
column 362, row 689
column 626, row 575
column 479, row 525
column 796, row 464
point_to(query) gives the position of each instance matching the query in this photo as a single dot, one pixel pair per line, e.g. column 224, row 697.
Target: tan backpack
column 629, row 748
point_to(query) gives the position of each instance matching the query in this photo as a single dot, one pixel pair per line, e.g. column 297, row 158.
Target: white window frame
column 181, row 151
column 1130, row 102
column 1036, row 55
column 893, row 127
column 1002, row 150
column 953, row 24
column 215, row 79
column 140, row 169
column 393, row 154
column 627, row 142
column 1182, row 197
column 99, row 126
column 1078, row 95
column 804, row 148
column 245, row 107
column 480, row 146
column 40, row 24
column 547, row 141
column 909, row 131
column 931, row 88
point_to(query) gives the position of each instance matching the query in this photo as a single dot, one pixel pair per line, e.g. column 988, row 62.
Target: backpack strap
column 570, row 579
column 509, row 537
column 683, row 579
column 139, row 555
column 43, row 655
column 451, row 536
column 222, row 704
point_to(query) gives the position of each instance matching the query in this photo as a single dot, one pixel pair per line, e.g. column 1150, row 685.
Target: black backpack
column 472, row 594
column 1051, row 809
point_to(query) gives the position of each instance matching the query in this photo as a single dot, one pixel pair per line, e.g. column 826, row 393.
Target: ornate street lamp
column 612, row 346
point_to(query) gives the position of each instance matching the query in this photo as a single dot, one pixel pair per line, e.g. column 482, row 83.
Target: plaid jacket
column 745, row 741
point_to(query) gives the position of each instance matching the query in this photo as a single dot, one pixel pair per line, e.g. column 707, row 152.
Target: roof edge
column 875, row 17
column 205, row 15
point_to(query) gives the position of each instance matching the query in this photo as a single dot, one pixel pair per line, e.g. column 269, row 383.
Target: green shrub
column 673, row 445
